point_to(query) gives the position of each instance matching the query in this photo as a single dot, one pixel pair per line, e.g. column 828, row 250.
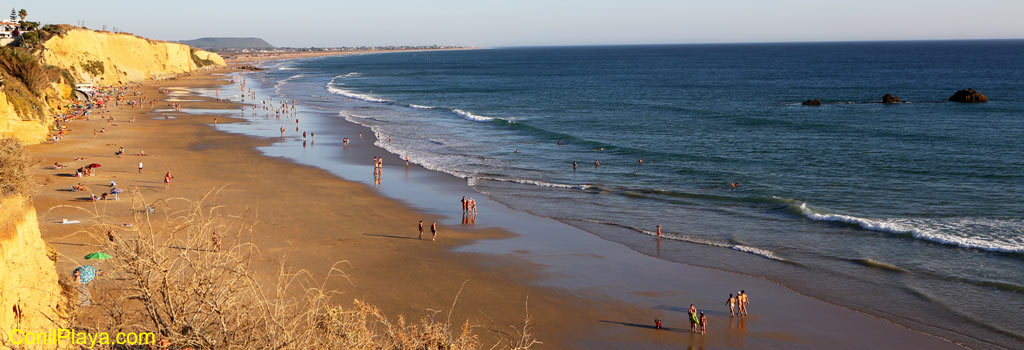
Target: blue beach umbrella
column 86, row 273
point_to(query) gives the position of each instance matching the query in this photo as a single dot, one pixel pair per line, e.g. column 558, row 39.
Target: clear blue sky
column 491, row 23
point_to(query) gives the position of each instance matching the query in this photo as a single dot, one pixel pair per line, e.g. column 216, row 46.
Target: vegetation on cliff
column 25, row 80
column 14, row 177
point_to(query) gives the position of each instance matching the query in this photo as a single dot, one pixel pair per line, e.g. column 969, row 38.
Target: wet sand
column 584, row 292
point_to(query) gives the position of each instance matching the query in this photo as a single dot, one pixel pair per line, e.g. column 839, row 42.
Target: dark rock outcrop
column 890, row 99
column 814, row 102
column 968, row 96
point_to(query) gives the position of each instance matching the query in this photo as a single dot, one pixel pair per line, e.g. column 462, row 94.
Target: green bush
column 30, row 39
column 94, row 68
column 199, row 61
column 28, row 25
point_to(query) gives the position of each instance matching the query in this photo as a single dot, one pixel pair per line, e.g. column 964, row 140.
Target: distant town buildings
column 9, row 29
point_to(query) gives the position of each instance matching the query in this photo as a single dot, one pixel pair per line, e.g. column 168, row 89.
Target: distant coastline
column 249, row 56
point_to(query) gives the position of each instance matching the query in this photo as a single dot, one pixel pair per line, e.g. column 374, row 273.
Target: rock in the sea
column 814, row 102
column 968, row 96
column 890, row 99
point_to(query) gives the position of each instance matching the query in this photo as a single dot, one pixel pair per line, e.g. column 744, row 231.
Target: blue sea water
column 920, row 202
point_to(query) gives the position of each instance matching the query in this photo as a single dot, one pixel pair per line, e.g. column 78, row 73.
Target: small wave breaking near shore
column 943, row 231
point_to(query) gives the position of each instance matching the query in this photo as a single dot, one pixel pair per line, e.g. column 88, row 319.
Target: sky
column 489, row 23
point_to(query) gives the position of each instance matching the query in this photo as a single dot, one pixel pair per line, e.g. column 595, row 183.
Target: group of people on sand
column 699, row 321
column 433, row 230
column 738, row 304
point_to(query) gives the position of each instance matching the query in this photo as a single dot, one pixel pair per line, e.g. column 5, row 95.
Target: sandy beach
column 583, row 292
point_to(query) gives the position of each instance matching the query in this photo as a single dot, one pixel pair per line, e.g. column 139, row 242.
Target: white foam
column 936, row 230
column 420, row 106
column 286, row 68
column 472, row 181
column 765, row 253
column 472, row 117
column 758, row 251
column 355, row 95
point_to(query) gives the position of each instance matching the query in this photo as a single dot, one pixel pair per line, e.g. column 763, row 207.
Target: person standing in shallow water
column 732, row 305
column 694, row 320
column 743, row 301
column 703, row 323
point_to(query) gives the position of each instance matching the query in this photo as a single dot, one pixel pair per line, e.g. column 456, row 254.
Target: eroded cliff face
column 29, row 292
column 100, row 58
column 113, row 59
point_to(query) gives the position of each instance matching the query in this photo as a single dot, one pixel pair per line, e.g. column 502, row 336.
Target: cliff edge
column 28, row 102
column 30, row 296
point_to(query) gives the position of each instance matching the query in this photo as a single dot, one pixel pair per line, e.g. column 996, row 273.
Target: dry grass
column 185, row 273
column 14, row 177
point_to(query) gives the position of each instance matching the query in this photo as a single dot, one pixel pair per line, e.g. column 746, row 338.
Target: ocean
column 913, row 212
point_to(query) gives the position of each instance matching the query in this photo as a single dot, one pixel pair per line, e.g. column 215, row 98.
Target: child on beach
column 703, row 323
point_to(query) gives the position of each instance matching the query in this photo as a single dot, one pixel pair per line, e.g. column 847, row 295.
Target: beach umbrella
column 95, row 165
column 86, row 273
column 98, row 256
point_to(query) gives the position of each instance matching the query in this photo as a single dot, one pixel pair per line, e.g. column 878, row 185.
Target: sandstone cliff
column 29, row 293
column 89, row 56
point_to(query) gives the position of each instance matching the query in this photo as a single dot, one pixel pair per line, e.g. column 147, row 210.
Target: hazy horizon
column 539, row 23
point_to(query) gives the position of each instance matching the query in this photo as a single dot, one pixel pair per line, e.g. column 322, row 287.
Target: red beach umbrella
column 95, row 165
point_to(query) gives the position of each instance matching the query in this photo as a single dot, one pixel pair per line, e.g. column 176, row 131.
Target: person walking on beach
column 732, row 305
column 421, row 229
column 743, row 300
column 140, row 167
column 433, row 231
column 167, row 179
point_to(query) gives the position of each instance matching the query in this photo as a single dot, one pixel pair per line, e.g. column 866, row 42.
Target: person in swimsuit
column 421, row 229
column 574, row 165
column 659, row 230
column 433, row 231
column 744, row 301
column 703, row 323
column 732, row 305
column 693, row 318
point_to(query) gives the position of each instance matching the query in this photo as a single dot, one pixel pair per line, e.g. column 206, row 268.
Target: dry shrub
column 171, row 277
column 26, row 68
column 14, row 177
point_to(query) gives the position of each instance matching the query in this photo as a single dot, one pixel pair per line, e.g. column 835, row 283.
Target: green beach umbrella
column 98, row 256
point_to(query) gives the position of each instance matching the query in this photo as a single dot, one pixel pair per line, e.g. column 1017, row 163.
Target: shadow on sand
column 390, row 236
column 648, row 326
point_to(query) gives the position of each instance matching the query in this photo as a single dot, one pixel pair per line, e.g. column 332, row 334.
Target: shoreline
column 454, row 183
column 194, row 128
